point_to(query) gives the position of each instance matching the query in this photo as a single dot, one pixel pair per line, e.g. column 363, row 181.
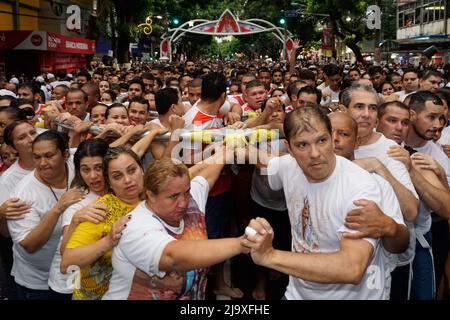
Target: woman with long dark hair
column 90, row 245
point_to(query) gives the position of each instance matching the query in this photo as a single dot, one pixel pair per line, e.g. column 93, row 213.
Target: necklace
column 50, row 187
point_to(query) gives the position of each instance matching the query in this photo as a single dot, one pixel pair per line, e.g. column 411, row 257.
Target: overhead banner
column 60, row 43
column 45, row 41
column 289, row 48
column 327, row 39
column 164, row 49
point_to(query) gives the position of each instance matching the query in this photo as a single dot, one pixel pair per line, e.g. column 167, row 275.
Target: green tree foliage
column 389, row 19
column 118, row 19
column 351, row 32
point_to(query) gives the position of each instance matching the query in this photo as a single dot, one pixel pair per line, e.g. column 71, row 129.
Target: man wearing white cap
column 5, row 97
column 46, row 89
column 51, row 80
column 14, row 80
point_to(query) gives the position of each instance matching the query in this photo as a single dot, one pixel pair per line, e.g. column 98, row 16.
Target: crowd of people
column 111, row 187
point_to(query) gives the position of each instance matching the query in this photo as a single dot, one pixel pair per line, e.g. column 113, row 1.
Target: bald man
column 345, row 131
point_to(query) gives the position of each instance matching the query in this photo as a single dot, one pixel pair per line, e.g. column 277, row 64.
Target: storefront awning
column 45, row 41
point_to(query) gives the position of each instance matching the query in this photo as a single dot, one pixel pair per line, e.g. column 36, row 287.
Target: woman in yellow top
column 90, row 246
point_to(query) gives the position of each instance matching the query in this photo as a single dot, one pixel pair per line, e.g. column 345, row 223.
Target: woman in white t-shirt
column 19, row 135
column 36, row 236
column 164, row 252
column 88, row 162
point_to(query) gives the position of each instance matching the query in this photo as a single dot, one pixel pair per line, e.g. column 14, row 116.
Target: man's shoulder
column 378, row 148
column 285, row 167
column 433, row 150
column 352, row 177
column 384, row 142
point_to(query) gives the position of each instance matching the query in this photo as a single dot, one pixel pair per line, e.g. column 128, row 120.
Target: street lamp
column 282, row 22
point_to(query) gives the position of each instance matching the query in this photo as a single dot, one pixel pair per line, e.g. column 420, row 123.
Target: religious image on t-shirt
column 146, row 287
column 190, row 285
column 304, row 237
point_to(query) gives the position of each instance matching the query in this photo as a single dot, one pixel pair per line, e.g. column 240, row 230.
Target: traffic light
column 175, row 21
column 282, row 21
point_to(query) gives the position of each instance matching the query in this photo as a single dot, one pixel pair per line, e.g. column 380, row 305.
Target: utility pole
column 284, row 43
column 377, row 50
column 16, row 19
column 373, row 16
column 283, row 22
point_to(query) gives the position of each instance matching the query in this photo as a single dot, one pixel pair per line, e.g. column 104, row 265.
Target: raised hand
column 176, row 122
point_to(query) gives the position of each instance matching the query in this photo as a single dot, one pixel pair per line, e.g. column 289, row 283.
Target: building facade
column 48, row 34
column 422, row 23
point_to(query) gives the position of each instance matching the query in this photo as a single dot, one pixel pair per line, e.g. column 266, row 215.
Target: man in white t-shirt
column 410, row 81
column 321, row 189
column 426, row 111
column 333, row 78
column 170, row 110
column 345, row 130
column 362, row 104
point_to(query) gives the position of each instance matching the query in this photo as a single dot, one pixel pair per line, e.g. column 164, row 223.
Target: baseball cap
column 40, row 79
column 14, row 80
column 50, row 76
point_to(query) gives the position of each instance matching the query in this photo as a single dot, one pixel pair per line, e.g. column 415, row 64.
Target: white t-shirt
column 31, row 270
column 317, row 213
column 57, row 280
column 396, row 168
column 236, row 99
column 70, row 211
column 389, row 199
column 9, row 180
column 331, row 96
column 423, row 221
column 143, row 242
column 402, row 95
column 196, row 120
column 445, row 136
